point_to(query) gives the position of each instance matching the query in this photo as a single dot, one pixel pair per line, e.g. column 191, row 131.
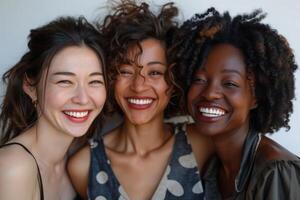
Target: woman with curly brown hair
column 54, row 94
column 240, row 85
column 144, row 158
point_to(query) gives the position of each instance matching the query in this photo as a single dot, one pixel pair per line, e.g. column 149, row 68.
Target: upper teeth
column 140, row 101
column 212, row 112
column 76, row 114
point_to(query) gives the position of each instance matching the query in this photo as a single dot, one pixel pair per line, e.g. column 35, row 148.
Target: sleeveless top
column 38, row 174
column 181, row 179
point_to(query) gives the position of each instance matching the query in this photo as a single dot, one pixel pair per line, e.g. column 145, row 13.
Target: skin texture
column 140, row 148
column 73, row 83
column 223, row 86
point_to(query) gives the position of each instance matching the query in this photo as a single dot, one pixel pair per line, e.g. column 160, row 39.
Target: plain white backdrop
column 17, row 17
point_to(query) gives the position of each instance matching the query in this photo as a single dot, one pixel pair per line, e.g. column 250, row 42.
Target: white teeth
column 140, row 101
column 76, row 114
column 211, row 112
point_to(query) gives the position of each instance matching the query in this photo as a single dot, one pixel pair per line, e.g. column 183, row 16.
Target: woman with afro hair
column 239, row 80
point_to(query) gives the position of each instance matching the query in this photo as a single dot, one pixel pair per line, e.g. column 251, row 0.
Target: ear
column 29, row 89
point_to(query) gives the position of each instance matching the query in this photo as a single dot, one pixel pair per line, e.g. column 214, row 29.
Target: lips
column 139, row 103
column 77, row 116
column 210, row 113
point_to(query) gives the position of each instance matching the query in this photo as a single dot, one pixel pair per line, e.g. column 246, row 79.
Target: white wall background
column 17, row 17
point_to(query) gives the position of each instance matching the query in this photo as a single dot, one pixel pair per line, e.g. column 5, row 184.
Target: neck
column 229, row 148
column 50, row 146
column 144, row 138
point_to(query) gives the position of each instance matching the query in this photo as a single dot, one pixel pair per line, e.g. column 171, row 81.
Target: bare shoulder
column 270, row 150
column 202, row 145
column 17, row 170
column 15, row 158
column 78, row 169
column 80, row 161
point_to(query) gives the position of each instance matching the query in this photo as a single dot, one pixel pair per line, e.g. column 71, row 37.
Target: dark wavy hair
column 127, row 26
column 18, row 112
column 267, row 55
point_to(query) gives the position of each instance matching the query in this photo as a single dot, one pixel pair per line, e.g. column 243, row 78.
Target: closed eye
column 96, row 82
column 125, row 73
column 199, row 80
column 231, row 84
column 64, row 82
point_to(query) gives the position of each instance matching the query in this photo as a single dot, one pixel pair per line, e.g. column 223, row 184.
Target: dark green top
column 258, row 178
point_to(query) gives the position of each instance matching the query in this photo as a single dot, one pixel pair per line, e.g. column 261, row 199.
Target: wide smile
column 210, row 113
column 77, row 116
column 139, row 103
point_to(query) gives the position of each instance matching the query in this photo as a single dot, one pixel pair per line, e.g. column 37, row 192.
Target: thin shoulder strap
column 39, row 173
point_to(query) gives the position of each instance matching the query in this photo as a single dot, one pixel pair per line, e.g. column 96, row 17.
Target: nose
column 212, row 91
column 80, row 95
column 138, row 82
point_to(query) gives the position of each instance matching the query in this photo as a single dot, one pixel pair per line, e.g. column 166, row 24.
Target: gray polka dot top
column 181, row 179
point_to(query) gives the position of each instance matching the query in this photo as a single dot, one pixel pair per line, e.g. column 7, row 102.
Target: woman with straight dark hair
column 54, row 94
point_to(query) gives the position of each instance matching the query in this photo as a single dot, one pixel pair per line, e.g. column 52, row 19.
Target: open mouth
column 141, row 102
column 77, row 114
column 211, row 111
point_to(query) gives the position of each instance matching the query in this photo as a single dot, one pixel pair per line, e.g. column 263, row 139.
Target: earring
column 34, row 102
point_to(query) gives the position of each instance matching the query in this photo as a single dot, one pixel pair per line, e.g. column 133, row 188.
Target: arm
column 18, row 175
column 78, row 169
column 202, row 146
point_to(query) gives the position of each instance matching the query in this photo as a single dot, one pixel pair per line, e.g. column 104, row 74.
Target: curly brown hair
column 127, row 26
column 267, row 55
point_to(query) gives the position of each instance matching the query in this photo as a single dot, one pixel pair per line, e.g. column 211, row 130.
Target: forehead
column 224, row 57
column 75, row 59
column 150, row 50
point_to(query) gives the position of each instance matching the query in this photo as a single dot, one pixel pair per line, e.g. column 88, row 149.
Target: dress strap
column 39, row 173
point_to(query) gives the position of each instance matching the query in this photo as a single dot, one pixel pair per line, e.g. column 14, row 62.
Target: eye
column 96, row 83
column 155, row 73
column 125, row 72
column 199, row 80
column 231, row 84
column 64, row 83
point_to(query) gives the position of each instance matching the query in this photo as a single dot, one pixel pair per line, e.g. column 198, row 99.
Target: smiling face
column 220, row 97
column 142, row 91
column 72, row 93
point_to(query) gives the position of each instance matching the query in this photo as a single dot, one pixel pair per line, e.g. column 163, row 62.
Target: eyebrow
column 156, row 62
column 73, row 74
column 232, row 71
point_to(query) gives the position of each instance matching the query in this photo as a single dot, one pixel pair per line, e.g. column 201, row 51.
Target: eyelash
column 96, row 82
column 199, row 80
column 231, row 84
column 64, row 82
column 156, row 73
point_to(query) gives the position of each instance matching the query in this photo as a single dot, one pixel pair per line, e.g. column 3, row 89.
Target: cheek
column 192, row 94
column 99, row 97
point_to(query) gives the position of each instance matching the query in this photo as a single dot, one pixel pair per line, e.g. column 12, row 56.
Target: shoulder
column 18, row 168
column 79, row 161
column 14, row 157
column 78, row 169
column 202, row 145
column 275, row 170
column 270, row 150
